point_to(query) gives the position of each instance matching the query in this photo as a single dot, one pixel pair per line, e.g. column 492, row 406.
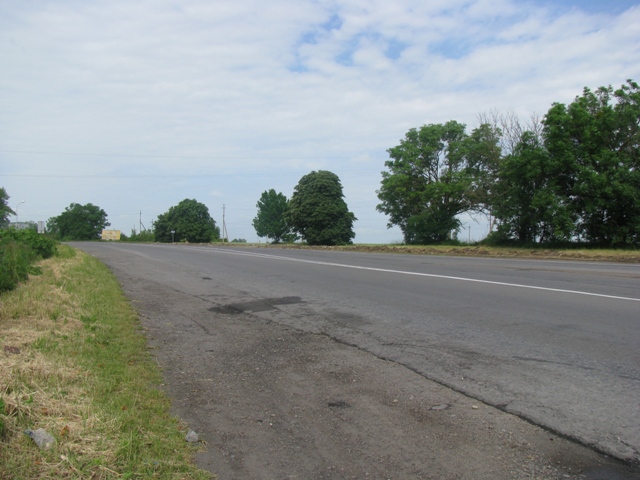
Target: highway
column 554, row 342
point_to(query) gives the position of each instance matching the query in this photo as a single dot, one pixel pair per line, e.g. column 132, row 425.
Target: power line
column 209, row 175
column 201, row 157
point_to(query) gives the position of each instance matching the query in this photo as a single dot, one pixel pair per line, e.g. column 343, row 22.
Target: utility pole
column 225, row 235
column 16, row 212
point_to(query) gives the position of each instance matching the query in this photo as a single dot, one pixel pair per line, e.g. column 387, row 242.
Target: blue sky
column 136, row 105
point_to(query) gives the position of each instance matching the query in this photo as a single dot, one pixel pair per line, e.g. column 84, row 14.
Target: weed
column 65, row 252
column 3, row 428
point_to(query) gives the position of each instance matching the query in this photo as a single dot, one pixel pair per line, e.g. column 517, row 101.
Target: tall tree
column 317, row 210
column 529, row 202
column 427, row 184
column 598, row 135
column 483, row 157
column 189, row 220
column 497, row 136
column 511, row 128
column 5, row 210
column 271, row 219
column 79, row 222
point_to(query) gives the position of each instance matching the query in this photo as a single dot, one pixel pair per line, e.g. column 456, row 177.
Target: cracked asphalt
column 275, row 398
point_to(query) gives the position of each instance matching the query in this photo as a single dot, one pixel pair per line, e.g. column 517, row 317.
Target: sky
column 135, row 105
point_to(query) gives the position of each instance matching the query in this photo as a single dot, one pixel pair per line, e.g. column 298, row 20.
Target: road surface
column 554, row 342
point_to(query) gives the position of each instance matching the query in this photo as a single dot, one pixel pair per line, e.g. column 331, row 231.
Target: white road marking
column 417, row 274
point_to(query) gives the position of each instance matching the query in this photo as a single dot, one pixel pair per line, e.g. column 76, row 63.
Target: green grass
column 83, row 372
column 475, row 250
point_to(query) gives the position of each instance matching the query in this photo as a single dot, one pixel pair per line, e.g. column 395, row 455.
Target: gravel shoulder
column 273, row 402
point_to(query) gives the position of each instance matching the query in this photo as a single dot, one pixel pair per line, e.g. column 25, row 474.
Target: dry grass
column 602, row 255
column 73, row 361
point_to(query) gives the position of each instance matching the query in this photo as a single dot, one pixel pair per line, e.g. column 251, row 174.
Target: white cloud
column 220, row 101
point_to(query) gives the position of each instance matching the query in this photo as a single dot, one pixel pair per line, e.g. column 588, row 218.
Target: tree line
column 188, row 221
column 317, row 213
column 572, row 176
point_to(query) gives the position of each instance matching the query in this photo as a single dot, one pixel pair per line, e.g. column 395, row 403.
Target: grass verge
column 74, row 362
column 583, row 254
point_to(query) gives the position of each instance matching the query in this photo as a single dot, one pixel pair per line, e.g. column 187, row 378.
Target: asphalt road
column 554, row 342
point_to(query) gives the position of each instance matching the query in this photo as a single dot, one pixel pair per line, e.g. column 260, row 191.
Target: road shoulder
column 273, row 402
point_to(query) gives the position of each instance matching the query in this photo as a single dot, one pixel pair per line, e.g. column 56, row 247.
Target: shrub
column 19, row 249
column 143, row 236
column 43, row 246
column 15, row 263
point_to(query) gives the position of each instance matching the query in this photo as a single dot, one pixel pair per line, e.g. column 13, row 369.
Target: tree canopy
column 5, row 210
column 427, row 184
column 572, row 176
column 271, row 221
column 79, row 222
column 317, row 210
column 596, row 140
column 529, row 201
column 191, row 222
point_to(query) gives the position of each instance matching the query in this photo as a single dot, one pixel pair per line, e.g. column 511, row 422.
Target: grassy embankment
column 74, row 362
column 588, row 254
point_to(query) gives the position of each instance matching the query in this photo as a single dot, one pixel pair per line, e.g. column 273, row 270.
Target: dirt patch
column 272, row 402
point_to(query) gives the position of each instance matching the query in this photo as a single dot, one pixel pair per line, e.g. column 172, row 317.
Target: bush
column 15, row 264
column 43, row 246
column 143, row 236
column 19, row 249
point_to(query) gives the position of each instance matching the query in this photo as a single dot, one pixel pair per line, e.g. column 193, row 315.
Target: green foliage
column 191, row 222
column 574, row 177
column 5, row 210
column 15, row 264
column 483, row 161
column 79, row 222
column 427, row 184
column 143, row 236
column 530, row 200
column 271, row 220
column 42, row 245
column 598, row 136
column 19, row 249
column 317, row 210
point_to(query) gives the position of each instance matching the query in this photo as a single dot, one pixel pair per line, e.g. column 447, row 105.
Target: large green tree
column 483, row 155
column 189, row 220
column 271, row 219
column 428, row 183
column 597, row 139
column 79, row 222
column 528, row 198
column 5, row 210
column 317, row 210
